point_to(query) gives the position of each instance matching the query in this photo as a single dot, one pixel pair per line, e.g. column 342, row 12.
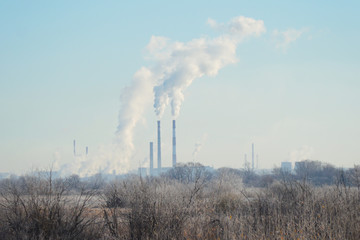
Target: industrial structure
column 174, row 146
column 286, row 167
column 151, row 158
column 159, row 147
column 252, row 158
column 74, row 148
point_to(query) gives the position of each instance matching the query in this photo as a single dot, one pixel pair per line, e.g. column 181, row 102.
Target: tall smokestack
column 151, row 158
column 252, row 158
column 87, row 150
column 74, row 149
column 159, row 147
column 174, row 146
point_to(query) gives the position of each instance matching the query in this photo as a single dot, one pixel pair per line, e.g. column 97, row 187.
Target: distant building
column 4, row 175
column 300, row 165
column 286, row 166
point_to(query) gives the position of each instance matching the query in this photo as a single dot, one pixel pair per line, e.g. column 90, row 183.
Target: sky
column 90, row 71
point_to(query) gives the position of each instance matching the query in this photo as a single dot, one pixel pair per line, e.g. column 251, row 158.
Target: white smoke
column 301, row 154
column 284, row 38
column 198, row 145
column 117, row 155
column 178, row 64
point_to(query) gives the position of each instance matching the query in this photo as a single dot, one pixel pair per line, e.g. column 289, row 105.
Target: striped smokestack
column 151, row 158
column 159, row 147
column 174, row 146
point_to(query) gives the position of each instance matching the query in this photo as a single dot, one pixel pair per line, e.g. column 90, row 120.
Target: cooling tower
column 151, row 158
column 159, row 147
column 174, row 146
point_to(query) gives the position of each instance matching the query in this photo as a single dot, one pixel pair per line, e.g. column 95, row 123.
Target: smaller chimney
column 252, row 158
column 174, row 146
column 159, row 148
column 74, row 148
column 87, row 150
column 151, row 159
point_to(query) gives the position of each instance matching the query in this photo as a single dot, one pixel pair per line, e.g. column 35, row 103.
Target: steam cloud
column 176, row 66
column 198, row 146
column 301, row 154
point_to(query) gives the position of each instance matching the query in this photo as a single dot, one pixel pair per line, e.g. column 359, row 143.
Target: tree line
column 317, row 201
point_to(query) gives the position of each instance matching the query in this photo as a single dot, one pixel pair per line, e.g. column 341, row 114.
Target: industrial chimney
column 151, row 158
column 74, row 149
column 252, row 158
column 87, row 150
column 174, row 146
column 159, row 147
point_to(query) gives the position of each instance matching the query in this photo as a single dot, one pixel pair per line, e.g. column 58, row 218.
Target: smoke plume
column 175, row 66
column 178, row 64
column 303, row 153
column 198, row 145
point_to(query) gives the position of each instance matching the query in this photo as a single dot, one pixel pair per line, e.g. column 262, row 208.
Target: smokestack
column 74, row 149
column 87, row 150
column 159, row 147
column 252, row 158
column 151, row 158
column 174, row 146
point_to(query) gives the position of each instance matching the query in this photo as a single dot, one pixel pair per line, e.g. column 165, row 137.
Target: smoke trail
column 116, row 156
column 198, row 145
column 178, row 64
column 303, row 153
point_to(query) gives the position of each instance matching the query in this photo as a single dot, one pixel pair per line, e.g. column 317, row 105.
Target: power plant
column 159, row 168
column 152, row 171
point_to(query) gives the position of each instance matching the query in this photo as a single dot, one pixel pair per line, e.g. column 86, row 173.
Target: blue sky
column 63, row 67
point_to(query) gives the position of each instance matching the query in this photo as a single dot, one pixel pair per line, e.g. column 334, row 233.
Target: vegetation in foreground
column 188, row 202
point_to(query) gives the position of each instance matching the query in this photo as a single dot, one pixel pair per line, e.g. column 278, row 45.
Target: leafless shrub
column 223, row 208
column 38, row 207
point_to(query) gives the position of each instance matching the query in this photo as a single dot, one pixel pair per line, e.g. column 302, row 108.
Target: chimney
column 74, row 149
column 159, row 147
column 252, row 158
column 151, row 158
column 87, row 150
column 174, row 146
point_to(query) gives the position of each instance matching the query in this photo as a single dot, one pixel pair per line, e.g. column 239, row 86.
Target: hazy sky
column 292, row 89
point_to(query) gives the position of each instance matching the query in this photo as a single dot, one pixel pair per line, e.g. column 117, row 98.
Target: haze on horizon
column 288, row 81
